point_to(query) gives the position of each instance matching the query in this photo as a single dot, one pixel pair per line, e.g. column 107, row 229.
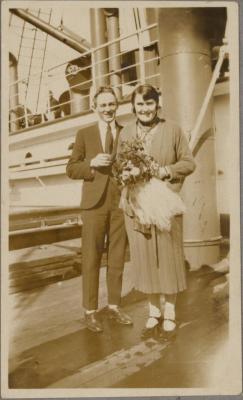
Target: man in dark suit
column 91, row 160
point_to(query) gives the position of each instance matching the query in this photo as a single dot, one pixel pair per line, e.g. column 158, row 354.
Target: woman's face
column 145, row 110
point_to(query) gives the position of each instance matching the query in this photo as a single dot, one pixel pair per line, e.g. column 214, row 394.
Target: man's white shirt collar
column 103, row 130
column 103, row 126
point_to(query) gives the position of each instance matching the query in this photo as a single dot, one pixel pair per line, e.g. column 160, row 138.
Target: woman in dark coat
column 157, row 256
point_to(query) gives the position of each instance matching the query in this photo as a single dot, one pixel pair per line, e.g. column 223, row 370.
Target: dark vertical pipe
column 98, row 37
column 13, row 93
column 112, row 20
column 185, row 69
column 151, row 51
column 79, row 83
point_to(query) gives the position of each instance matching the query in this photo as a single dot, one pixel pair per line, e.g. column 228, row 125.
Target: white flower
column 125, row 175
column 135, row 171
column 129, row 164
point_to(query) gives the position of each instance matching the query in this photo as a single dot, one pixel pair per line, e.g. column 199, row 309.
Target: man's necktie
column 108, row 140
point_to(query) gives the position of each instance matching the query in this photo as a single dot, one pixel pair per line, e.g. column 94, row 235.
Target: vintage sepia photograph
column 120, row 199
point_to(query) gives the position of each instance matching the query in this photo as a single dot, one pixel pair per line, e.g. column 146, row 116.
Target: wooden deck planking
column 47, row 313
column 50, row 346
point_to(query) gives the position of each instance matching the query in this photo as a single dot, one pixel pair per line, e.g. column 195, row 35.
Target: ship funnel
column 185, row 36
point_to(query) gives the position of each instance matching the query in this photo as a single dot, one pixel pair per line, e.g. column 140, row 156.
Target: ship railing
column 32, row 226
column 140, row 69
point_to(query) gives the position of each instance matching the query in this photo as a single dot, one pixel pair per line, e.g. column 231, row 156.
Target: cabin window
column 129, row 74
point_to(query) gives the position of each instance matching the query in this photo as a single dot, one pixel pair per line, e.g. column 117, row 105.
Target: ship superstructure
column 57, row 58
column 50, row 103
column 41, row 139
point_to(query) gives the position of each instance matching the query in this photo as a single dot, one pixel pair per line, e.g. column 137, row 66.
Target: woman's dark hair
column 103, row 89
column 147, row 92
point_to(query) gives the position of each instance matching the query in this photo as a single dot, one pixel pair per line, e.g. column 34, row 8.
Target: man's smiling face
column 106, row 106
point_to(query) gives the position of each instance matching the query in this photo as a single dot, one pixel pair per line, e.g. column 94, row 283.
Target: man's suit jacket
column 87, row 145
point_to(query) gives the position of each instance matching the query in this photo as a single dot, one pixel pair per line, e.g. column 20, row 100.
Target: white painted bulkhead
column 38, row 158
column 45, row 183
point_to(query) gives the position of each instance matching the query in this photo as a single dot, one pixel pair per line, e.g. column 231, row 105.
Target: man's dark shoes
column 92, row 323
column 119, row 316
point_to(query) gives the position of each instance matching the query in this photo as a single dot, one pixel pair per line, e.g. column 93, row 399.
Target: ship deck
column 50, row 347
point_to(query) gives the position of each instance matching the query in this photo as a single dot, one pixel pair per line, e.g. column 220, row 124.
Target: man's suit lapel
column 97, row 139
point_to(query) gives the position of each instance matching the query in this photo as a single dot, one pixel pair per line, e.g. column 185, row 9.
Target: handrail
column 94, row 49
column 122, row 37
column 88, row 67
column 45, row 111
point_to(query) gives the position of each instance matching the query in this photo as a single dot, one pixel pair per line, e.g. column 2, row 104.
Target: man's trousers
column 102, row 224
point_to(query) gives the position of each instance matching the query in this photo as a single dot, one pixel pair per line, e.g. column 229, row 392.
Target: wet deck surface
column 50, row 347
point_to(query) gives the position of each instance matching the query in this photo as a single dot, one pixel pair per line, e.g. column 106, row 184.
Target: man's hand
column 101, row 160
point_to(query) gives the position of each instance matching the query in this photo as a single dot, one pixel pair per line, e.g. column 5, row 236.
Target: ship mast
column 80, row 46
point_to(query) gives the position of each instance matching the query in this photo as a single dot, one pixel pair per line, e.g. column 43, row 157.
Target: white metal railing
column 132, row 73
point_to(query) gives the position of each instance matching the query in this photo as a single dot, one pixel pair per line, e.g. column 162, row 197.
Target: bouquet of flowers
column 149, row 199
column 133, row 165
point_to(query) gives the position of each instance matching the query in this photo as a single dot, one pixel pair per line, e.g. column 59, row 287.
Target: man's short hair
column 103, row 89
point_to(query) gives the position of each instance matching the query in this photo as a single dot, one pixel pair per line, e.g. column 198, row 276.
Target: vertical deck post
column 98, row 37
column 13, row 93
column 141, row 58
column 141, row 55
column 185, row 70
column 112, row 20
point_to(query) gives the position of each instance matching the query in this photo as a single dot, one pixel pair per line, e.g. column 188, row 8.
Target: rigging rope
column 61, row 25
column 195, row 136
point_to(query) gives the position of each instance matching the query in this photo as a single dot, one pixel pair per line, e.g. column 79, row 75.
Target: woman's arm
column 185, row 163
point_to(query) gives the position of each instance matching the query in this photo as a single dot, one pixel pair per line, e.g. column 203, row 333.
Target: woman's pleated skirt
column 158, row 263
